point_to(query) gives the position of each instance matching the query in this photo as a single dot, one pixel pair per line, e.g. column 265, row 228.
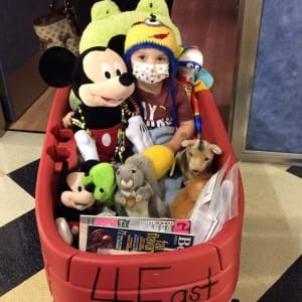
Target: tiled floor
column 36, row 116
column 272, row 238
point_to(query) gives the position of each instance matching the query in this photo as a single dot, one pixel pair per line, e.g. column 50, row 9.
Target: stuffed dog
column 182, row 205
column 195, row 163
column 196, row 158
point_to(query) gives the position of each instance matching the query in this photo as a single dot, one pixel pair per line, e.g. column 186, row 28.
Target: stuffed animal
column 138, row 191
column 192, row 72
column 99, row 78
column 108, row 21
column 194, row 78
column 75, row 195
column 196, row 158
column 181, row 207
column 100, row 181
column 195, row 163
column 75, row 200
column 88, row 191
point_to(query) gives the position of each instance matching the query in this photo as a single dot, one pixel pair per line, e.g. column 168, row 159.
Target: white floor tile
column 14, row 201
column 18, row 149
column 272, row 237
column 34, row 290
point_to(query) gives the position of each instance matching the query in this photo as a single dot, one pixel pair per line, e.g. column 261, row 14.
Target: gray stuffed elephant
column 138, row 192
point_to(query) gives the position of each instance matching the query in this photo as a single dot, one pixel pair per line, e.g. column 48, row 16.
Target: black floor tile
column 296, row 170
column 26, row 176
column 288, row 288
column 20, row 255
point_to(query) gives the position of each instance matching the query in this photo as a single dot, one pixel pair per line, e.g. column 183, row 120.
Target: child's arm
column 184, row 131
column 186, row 127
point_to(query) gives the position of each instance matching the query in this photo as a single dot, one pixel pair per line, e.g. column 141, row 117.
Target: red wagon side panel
column 205, row 272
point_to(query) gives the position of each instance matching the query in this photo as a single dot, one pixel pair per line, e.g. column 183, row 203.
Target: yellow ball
column 162, row 159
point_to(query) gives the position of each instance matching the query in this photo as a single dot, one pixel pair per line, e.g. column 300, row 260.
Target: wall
column 18, row 41
column 18, row 46
column 275, row 122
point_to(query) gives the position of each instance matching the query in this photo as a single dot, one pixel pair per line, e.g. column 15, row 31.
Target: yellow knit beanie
column 151, row 32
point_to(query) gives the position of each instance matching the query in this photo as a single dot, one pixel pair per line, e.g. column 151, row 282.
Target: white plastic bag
column 217, row 203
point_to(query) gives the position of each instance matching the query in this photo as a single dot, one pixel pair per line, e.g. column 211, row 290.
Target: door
column 19, row 54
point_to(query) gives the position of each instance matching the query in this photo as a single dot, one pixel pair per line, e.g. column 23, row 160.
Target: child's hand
column 66, row 121
column 185, row 131
column 171, row 146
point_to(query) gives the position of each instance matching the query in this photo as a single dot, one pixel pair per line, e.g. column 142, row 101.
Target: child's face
column 149, row 56
column 150, row 65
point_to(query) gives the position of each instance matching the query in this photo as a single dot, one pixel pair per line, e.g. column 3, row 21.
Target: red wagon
column 205, row 272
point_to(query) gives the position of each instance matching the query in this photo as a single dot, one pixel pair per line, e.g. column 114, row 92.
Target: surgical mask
column 150, row 73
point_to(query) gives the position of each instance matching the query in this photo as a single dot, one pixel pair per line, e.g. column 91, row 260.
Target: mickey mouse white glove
column 86, row 145
column 138, row 133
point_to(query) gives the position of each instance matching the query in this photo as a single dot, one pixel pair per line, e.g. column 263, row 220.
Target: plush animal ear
column 56, row 66
column 117, row 43
column 103, row 9
column 156, row 7
column 188, row 142
column 215, row 149
column 87, row 165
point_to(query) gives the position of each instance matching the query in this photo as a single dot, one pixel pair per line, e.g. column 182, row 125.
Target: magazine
column 140, row 223
column 97, row 238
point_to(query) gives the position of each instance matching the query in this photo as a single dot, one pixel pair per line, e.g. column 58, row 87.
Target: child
column 150, row 51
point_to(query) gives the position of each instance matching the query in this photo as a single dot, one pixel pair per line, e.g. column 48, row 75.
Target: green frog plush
column 108, row 21
column 100, row 181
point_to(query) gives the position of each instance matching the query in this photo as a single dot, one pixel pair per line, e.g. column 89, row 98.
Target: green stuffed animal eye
column 90, row 187
column 101, row 190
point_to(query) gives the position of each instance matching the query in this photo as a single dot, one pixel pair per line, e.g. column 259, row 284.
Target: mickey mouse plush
column 99, row 78
column 77, row 193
